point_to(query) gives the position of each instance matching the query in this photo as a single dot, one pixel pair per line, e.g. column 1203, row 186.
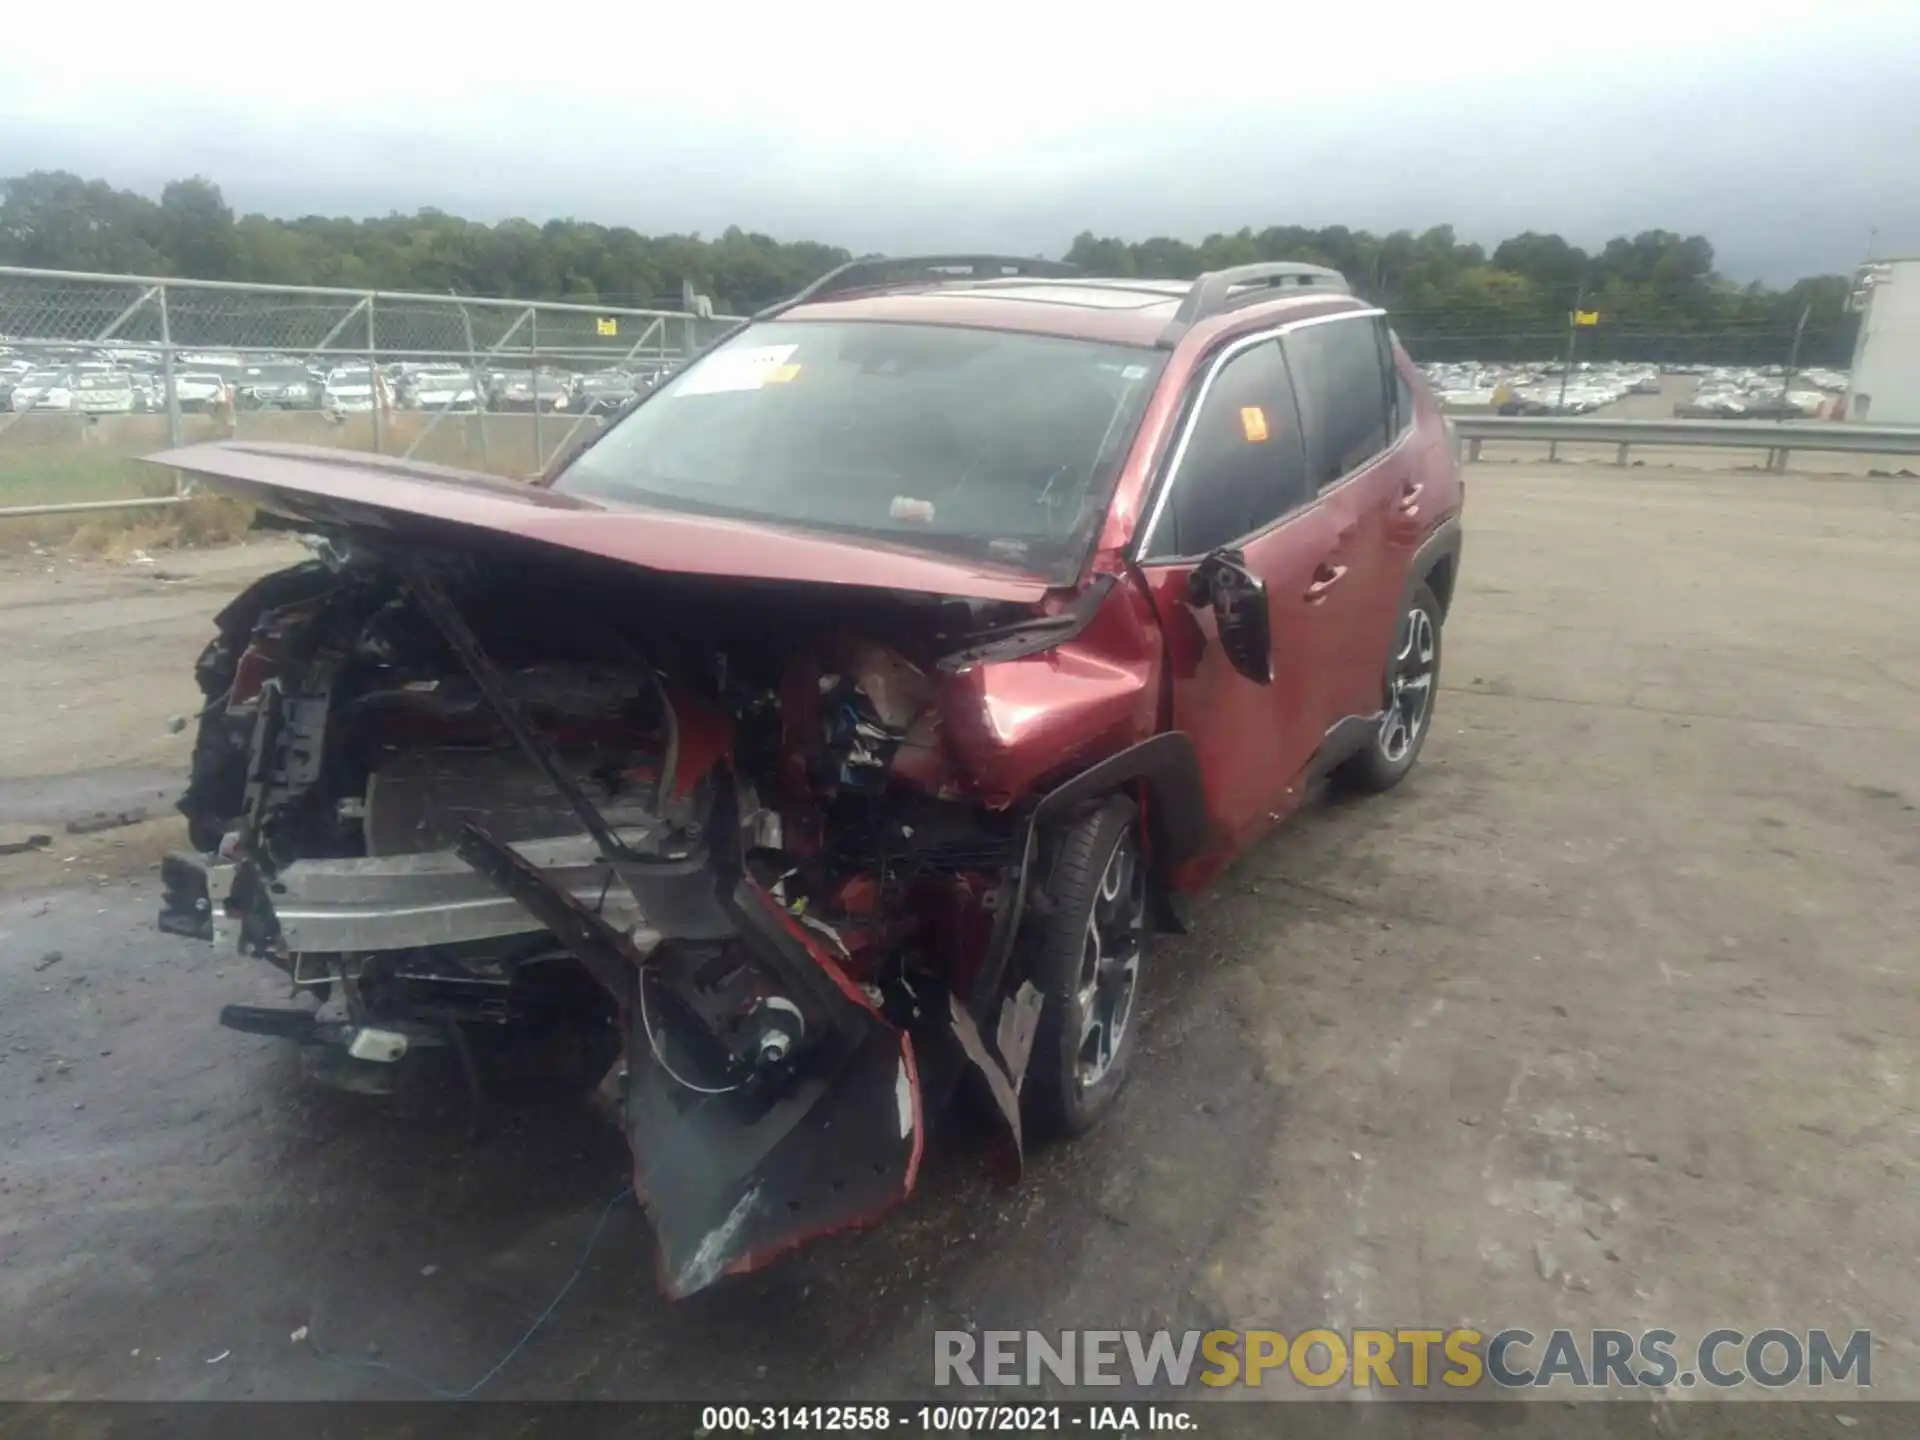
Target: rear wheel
column 1413, row 674
column 1086, row 961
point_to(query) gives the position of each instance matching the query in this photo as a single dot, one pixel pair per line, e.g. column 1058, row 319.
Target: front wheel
column 1413, row 674
column 1086, row 960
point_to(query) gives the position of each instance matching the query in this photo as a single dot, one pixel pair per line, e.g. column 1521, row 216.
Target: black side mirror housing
column 1238, row 599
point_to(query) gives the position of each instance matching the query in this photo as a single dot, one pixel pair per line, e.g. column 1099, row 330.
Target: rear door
column 1237, row 481
column 1421, row 442
column 1341, row 367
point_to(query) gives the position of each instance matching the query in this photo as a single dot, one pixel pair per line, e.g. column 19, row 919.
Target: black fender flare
column 1167, row 765
column 1442, row 545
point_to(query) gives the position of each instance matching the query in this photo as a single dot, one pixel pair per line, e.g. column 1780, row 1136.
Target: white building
column 1885, row 388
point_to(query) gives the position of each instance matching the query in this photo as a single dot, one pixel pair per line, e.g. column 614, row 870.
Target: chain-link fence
column 97, row 371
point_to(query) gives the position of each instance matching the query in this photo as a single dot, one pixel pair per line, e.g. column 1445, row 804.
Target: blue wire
column 507, row 1359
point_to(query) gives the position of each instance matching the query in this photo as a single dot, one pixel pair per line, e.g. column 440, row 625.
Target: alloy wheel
column 1110, row 964
column 1409, row 687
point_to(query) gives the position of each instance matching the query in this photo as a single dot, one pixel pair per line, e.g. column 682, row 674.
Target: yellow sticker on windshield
column 781, row 374
column 1253, row 421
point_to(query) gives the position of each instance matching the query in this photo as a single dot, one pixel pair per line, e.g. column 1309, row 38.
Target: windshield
column 993, row 446
column 349, row 377
column 45, row 377
column 121, row 381
column 277, row 374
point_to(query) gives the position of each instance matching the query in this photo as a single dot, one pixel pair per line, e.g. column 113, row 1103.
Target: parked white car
column 350, row 390
column 44, row 390
column 199, row 390
column 441, row 390
column 103, row 392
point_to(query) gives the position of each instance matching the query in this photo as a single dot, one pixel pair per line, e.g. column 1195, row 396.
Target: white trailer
column 1885, row 385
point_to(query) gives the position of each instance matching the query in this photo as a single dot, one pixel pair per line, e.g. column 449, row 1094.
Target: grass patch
column 60, row 464
column 49, row 475
column 202, row 521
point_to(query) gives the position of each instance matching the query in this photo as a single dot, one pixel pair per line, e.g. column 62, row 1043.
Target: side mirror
column 1239, row 601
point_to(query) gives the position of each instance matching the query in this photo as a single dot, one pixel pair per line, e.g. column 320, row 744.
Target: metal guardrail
column 1779, row 438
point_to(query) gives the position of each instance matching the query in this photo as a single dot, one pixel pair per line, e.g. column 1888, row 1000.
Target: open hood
column 343, row 488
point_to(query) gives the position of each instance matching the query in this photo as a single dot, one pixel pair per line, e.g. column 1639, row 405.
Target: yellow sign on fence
column 607, row 325
column 1586, row 317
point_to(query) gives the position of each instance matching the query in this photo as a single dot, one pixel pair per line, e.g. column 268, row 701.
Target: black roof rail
column 1219, row 290
column 876, row 271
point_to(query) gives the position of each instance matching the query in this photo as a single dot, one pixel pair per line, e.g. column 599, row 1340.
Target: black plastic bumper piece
column 284, row 1024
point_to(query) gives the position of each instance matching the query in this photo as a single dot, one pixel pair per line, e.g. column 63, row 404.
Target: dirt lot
column 1606, row 1018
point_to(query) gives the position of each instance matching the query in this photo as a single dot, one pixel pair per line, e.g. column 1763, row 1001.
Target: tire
column 1086, row 957
column 1412, row 680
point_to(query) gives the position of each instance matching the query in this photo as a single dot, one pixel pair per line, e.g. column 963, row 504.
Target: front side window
column 1244, row 465
column 1342, row 384
column 983, row 444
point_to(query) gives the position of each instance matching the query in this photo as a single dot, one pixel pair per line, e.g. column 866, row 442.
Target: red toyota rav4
column 835, row 729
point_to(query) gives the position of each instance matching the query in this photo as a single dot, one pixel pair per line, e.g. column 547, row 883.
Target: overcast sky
column 1785, row 132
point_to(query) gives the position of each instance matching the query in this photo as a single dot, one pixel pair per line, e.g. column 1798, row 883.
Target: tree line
column 1657, row 293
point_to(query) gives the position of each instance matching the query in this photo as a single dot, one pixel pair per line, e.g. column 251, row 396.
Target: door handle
column 1410, row 498
column 1324, row 579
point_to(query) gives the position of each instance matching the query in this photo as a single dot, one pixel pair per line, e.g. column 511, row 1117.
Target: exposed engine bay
column 731, row 853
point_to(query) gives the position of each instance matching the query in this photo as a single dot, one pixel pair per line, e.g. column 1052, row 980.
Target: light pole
column 1573, row 334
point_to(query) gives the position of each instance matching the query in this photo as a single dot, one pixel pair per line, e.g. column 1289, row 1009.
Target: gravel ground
column 1606, row 1017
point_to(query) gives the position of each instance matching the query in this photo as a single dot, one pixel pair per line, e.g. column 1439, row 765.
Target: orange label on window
column 781, row 374
column 1253, row 421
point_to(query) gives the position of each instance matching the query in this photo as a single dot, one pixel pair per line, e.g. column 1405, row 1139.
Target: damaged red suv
column 835, row 729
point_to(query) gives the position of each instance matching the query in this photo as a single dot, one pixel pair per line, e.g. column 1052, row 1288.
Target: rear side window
column 1342, row 382
column 1244, row 465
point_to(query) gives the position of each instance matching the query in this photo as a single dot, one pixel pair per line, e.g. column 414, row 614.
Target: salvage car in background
column 12, row 367
column 198, row 390
column 838, row 725
column 276, row 385
column 527, row 392
column 103, row 392
column 43, row 390
column 440, row 390
column 604, row 391
column 350, row 389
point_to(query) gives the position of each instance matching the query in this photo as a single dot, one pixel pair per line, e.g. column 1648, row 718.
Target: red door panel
column 1353, row 647
column 1255, row 741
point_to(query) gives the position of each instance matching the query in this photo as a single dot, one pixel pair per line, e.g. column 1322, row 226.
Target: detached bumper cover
column 736, row 1176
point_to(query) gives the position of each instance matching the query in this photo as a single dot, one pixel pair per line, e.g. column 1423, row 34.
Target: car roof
column 1122, row 311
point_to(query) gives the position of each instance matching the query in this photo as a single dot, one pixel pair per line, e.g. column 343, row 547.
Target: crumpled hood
column 344, row 488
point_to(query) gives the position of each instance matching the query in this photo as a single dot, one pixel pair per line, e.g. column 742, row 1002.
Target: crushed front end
column 747, row 859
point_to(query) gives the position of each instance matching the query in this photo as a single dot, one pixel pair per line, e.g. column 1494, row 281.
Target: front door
column 1238, row 484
